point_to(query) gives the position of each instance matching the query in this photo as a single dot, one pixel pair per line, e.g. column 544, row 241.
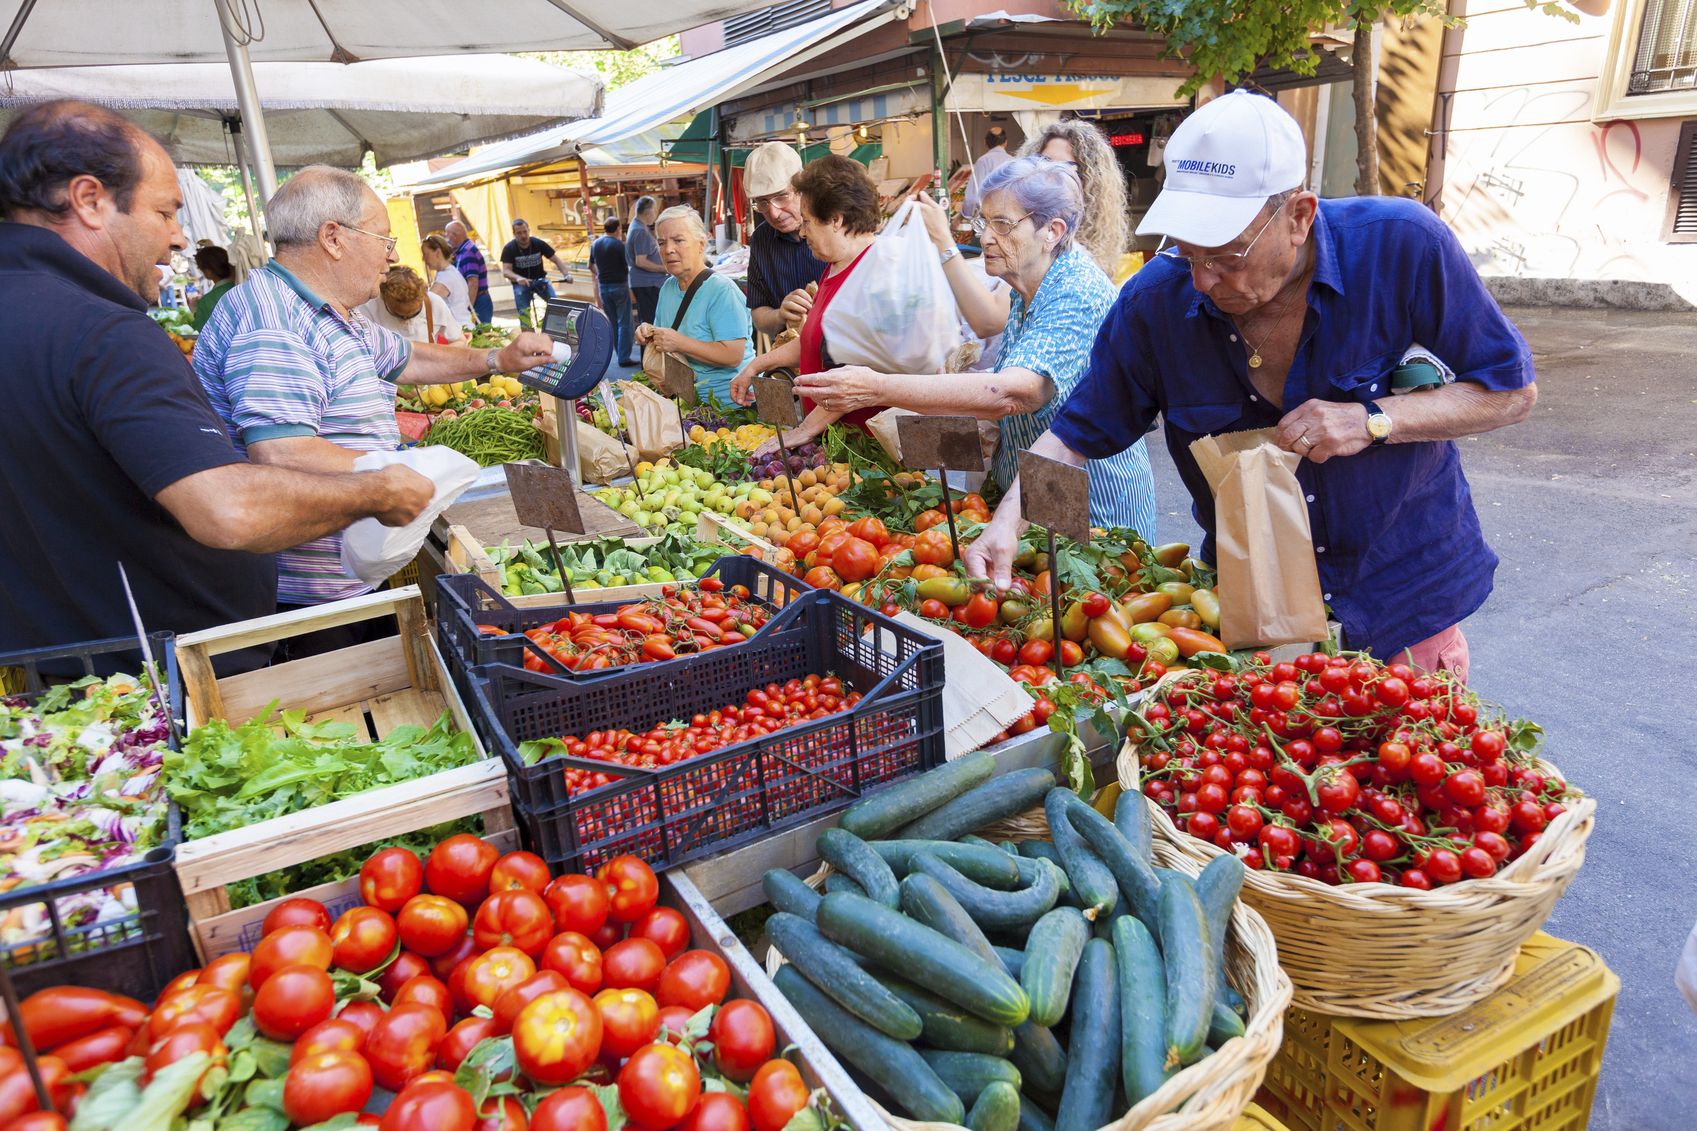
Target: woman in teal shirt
column 214, row 263
column 713, row 335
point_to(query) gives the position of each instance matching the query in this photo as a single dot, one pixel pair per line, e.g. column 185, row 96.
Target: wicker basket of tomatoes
column 1402, row 839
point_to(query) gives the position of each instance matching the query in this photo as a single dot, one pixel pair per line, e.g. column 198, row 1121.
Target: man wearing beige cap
column 779, row 264
column 1280, row 310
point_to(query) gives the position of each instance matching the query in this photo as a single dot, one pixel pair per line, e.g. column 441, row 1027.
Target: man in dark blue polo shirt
column 779, row 264
column 1277, row 309
column 610, row 272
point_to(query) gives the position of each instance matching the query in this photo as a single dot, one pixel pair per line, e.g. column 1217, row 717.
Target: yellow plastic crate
column 1255, row 1118
column 1524, row 1059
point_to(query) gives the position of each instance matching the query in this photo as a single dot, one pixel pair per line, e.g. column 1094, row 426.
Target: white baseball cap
column 1223, row 162
column 768, row 169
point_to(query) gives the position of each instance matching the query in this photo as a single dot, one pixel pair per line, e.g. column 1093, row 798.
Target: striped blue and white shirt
column 1053, row 337
column 278, row 361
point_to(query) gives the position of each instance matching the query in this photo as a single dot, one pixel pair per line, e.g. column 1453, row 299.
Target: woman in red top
column 839, row 207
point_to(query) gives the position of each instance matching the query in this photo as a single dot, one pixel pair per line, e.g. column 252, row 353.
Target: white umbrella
column 202, row 213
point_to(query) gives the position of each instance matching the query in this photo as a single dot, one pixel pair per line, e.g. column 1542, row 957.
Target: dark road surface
column 1592, row 632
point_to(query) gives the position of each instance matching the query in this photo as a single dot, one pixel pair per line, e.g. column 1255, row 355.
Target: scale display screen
column 561, row 325
column 585, row 347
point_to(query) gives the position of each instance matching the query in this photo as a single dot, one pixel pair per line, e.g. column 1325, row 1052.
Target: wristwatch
column 1378, row 424
column 491, row 361
column 948, row 254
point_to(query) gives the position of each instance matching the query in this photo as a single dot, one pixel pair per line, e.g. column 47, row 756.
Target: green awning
column 691, row 145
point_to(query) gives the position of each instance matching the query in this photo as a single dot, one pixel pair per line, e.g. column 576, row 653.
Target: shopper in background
column 110, row 451
column 524, row 263
column 1104, row 231
column 445, row 281
column 699, row 315
column 214, row 263
column 304, row 380
column 780, row 265
column 642, row 257
column 469, row 262
column 995, row 156
column 403, row 304
column 610, row 274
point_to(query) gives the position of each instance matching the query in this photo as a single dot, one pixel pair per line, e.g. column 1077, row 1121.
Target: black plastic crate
column 140, row 952
column 739, row 793
column 464, row 601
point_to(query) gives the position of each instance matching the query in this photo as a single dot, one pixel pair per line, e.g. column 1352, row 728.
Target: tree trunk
column 1366, row 118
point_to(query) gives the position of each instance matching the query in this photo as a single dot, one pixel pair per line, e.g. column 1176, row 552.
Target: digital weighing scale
column 583, row 345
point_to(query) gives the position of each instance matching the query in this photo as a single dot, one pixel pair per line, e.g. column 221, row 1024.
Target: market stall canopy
column 399, row 109
column 677, row 92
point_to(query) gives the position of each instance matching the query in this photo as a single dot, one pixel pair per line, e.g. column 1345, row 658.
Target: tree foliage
column 617, row 67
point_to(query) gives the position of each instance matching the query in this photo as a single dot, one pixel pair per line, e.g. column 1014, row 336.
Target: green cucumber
column 996, row 1109
column 1012, row 960
column 837, row 881
column 1187, row 952
column 788, row 892
column 1224, row 1025
column 967, row 1074
column 1134, row 879
column 1056, row 943
column 1131, row 818
column 990, row 909
column 975, row 840
column 940, row 964
column 929, row 902
column 997, row 798
column 988, row 866
column 830, row 967
column 1143, row 1010
column 854, row 858
column 1045, row 850
column 947, row 1025
column 878, row 813
column 1093, row 1062
column 1009, row 846
column 1041, row 1061
column 1032, row 1117
column 893, row 1064
column 1091, row 879
column 1217, row 887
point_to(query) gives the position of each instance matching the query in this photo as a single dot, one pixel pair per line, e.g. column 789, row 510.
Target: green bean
column 490, row 436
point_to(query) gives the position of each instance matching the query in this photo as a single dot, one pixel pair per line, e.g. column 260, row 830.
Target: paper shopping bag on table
column 883, row 429
column 601, row 458
column 1269, row 583
column 652, row 420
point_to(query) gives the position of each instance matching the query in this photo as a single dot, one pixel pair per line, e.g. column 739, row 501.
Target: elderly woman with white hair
column 700, row 315
column 1048, row 314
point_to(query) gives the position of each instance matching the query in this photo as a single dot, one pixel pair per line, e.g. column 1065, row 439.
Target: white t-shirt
column 459, row 300
column 415, row 329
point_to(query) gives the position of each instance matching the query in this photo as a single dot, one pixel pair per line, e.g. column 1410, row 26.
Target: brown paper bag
column 600, row 457
column 1269, row 583
column 652, row 420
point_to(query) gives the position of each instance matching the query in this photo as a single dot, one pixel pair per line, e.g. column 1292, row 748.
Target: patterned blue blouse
column 1053, row 337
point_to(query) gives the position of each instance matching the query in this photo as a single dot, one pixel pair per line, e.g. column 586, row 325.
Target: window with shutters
column 1681, row 226
column 753, row 25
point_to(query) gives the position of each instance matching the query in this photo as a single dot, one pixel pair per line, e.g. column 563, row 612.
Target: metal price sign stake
column 1055, row 496
column 616, row 418
column 153, row 670
column 677, row 381
column 775, row 404
column 547, row 497
column 946, row 443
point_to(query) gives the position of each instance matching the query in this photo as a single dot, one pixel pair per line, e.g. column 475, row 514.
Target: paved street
column 1592, row 506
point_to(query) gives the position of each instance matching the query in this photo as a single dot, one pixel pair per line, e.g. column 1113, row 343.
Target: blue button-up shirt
column 777, row 265
column 1398, row 544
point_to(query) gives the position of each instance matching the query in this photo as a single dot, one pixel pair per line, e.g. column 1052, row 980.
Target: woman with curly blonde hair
column 1106, row 228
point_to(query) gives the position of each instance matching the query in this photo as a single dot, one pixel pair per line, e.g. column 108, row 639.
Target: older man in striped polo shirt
column 301, row 378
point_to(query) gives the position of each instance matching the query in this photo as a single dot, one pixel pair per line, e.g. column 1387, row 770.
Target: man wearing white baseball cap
column 779, row 264
column 1278, row 309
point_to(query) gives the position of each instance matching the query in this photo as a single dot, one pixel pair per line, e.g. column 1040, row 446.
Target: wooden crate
column 376, row 686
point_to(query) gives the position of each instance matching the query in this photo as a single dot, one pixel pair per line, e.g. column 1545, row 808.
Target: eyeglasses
column 1003, row 227
column 1223, row 264
column 762, row 203
column 388, row 242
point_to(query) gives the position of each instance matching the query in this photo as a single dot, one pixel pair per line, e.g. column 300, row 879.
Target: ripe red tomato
column 296, row 911
column 658, row 1085
column 855, row 560
column 576, row 957
column 823, row 577
column 426, row 990
column 776, row 1093
column 502, row 1114
column 520, row 870
column 933, row 547
column 461, row 1039
column 209, row 1004
column 511, row 1002
column 363, row 1014
column 293, row 1000
column 743, row 1039
column 290, row 946
column 403, row 1046
column 431, row 1106
column 696, row 978
column 362, row 939
column 569, row 1109
column 333, row 1035
column 608, row 934
column 390, row 878
column 40, row 1120
column 633, row 962
column 443, row 964
column 665, row 927
column 717, row 1111
column 324, row 1085
column 184, row 1040
column 459, row 868
column 981, row 611
column 516, row 917
column 579, row 903
column 674, row 1019
column 632, row 888
column 629, row 1020
column 103, row 1046
column 557, row 1036
column 494, row 972
column 404, row 969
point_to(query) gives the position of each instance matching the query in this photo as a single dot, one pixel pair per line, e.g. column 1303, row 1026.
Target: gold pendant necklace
column 1255, row 351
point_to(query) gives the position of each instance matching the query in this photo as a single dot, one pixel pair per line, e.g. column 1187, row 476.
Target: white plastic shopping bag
column 373, row 552
column 895, row 312
column 1685, row 974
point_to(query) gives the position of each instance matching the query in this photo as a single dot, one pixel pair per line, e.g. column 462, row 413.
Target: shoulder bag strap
column 683, row 307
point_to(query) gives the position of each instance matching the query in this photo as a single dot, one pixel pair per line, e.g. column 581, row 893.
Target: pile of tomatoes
column 683, row 621
column 72, row 1029
column 1344, row 770
column 844, row 555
